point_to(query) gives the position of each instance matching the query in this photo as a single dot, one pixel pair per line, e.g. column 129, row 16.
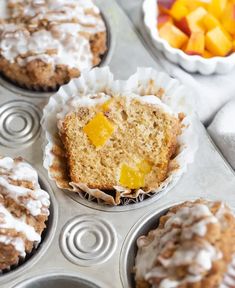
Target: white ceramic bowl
column 191, row 63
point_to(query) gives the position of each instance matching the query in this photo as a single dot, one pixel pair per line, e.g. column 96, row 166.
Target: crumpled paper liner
column 146, row 81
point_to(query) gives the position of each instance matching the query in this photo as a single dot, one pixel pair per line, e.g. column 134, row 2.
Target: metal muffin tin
column 87, row 245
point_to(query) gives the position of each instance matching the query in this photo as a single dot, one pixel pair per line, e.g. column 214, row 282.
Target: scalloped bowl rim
column 150, row 21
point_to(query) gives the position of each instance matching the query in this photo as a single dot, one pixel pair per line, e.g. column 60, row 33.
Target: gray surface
column 209, row 176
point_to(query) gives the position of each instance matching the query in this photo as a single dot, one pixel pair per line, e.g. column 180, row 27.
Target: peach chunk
column 192, row 5
column 162, row 19
column 193, row 21
column 217, row 42
column 173, row 35
column 207, row 54
column 210, row 22
column 228, row 18
column 131, row 178
column 234, row 46
column 99, row 129
column 106, row 105
column 196, row 44
column 216, row 7
column 178, row 11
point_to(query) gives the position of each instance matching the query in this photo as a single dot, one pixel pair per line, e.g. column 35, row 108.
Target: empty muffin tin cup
column 129, row 250
column 57, row 281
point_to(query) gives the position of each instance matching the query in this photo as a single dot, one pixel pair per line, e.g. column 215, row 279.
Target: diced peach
column 178, row 11
column 234, row 46
column 173, row 35
column 217, row 42
column 131, row 178
column 196, row 44
column 207, row 54
column 209, row 22
column 216, row 7
column 162, row 19
column 193, row 21
column 99, row 129
column 106, row 105
column 228, row 18
column 163, row 10
column 166, row 3
column 192, row 5
column 183, row 48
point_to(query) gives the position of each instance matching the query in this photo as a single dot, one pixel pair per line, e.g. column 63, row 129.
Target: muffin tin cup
column 86, row 240
column 46, row 236
column 57, row 281
column 38, row 90
column 129, row 250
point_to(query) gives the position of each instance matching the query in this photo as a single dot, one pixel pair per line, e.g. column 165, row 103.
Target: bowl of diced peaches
column 199, row 35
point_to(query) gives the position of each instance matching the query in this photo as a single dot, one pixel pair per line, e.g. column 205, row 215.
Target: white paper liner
column 191, row 63
column 146, row 81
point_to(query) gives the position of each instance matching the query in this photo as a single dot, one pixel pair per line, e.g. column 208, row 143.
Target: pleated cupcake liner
column 146, row 81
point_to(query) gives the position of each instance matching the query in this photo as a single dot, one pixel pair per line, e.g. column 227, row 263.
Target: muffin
column 125, row 141
column 44, row 44
column 192, row 247
column 118, row 142
column 24, row 210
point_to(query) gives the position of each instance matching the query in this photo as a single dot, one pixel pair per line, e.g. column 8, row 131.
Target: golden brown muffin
column 44, row 45
column 24, row 209
column 191, row 248
column 121, row 141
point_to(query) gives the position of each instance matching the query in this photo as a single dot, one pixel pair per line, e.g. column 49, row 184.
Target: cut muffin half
column 121, row 141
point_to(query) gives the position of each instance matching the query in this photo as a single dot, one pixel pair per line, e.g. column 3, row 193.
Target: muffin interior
column 120, row 142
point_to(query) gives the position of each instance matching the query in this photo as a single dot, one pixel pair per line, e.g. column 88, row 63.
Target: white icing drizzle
column 36, row 201
column 8, row 221
column 181, row 227
column 63, row 43
column 17, row 242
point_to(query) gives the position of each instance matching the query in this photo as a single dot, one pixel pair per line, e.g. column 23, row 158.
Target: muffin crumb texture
column 192, row 247
column 44, row 44
column 120, row 141
column 24, row 209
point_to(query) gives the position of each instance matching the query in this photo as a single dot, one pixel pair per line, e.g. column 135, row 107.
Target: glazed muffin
column 44, row 44
column 192, row 247
column 24, row 209
column 119, row 141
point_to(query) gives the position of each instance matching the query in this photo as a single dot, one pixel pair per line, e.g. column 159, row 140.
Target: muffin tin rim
column 49, row 274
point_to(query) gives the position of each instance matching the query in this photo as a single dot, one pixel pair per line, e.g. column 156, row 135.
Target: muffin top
column 56, row 32
column 24, row 208
column 191, row 247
